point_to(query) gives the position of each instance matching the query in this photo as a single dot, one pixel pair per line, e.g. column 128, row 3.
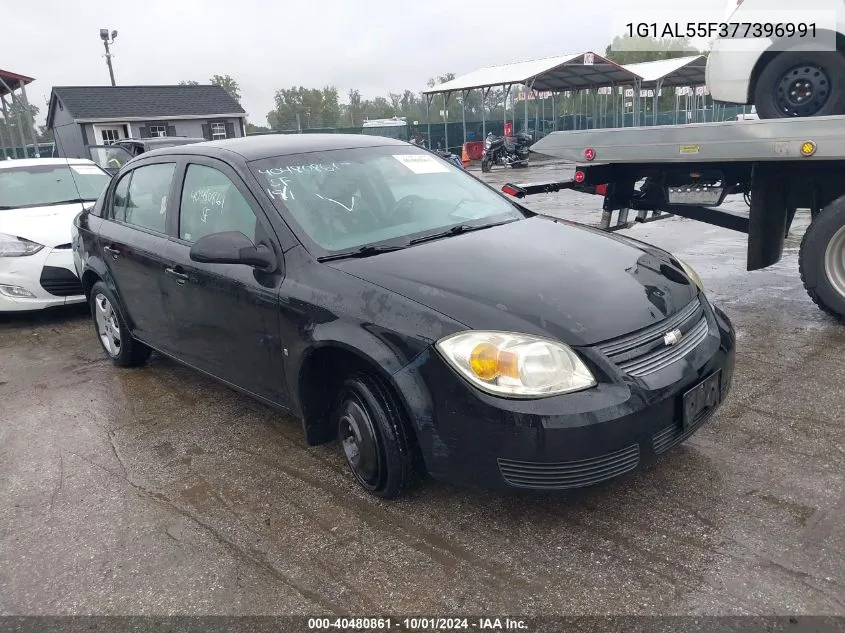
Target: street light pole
column 104, row 35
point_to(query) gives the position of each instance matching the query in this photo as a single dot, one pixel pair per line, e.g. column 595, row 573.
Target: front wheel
column 112, row 331
column 486, row 164
column 801, row 84
column 822, row 259
column 375, row 436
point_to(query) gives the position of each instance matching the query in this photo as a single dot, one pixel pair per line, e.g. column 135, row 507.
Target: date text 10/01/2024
column 678, row 30
column 418, row 624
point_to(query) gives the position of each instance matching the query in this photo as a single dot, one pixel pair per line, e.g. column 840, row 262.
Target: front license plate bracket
column 704, row 396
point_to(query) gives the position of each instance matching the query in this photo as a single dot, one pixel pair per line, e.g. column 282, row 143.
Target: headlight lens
column 690, row 272
column 12, row 246
column 516, row 365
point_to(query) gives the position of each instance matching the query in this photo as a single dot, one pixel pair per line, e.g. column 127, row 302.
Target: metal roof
column 565, row 72
column 12, row 81
column 569, row 72
column 680, row 71
column 142, row 102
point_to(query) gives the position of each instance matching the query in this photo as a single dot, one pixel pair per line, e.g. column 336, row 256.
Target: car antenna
column 69, row 168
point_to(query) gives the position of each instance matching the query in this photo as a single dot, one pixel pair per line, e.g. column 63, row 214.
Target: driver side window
column 212, row 204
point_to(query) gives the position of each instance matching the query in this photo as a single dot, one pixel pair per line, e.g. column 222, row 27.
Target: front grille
column 60, row 282
column 644, row 352
column 674, row 434
column 574, row 474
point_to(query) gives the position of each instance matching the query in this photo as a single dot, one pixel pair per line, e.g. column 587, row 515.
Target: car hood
column 50, row 226
column 541, row 275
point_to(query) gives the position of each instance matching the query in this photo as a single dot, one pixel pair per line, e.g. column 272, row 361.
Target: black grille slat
column 667, row 355
column 654, row 332
column 644, row 352
column 674, row 434
column 573, row 474
column 60, row 282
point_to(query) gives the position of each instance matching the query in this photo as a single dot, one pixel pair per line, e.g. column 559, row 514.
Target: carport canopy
column 579, row 71
column 680, row 71
column 9, row 82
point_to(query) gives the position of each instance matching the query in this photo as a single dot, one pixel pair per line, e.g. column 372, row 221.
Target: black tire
column 486, row 165
column 367, row 410
column 818, row 266
column 822, row 71
column 127, row 352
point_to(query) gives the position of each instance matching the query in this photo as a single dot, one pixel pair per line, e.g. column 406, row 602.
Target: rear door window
column 140, row 197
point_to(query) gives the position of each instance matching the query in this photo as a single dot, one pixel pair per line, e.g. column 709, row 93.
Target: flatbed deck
column 738, row 141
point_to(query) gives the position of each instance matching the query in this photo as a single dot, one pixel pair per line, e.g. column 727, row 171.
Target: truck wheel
column 801, row 84
column 822, row 259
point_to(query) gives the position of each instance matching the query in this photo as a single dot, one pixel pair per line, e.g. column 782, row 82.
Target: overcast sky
column 376, row 46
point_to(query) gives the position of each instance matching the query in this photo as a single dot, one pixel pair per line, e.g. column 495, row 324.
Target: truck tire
column 801, row 84
column 822, row 259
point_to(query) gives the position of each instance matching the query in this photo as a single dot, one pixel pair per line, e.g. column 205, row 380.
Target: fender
column 374, row 347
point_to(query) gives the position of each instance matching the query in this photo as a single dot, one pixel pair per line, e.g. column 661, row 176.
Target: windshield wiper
column 58, row 202
column 457, row 230
column 364, row 251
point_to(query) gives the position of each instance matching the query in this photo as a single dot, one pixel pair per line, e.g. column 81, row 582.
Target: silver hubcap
column 834, row 261
column 107, row 325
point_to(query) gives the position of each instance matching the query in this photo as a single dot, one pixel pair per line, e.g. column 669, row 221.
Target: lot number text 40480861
column 418, row 624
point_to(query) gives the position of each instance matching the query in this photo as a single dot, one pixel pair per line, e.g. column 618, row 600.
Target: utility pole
column 104, row 35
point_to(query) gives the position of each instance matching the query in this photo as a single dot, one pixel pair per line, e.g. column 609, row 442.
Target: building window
column 158, row 130
column 218, row 130
column 110, row 135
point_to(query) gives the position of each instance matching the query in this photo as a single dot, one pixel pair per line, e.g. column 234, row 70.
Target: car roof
column 34, row 162
column 251, row 148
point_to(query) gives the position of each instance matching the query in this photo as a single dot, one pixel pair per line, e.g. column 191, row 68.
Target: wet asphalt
column 157, row 491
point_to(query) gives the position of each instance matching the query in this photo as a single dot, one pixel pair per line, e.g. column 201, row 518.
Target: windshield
column 40, row 185
column 348, row 199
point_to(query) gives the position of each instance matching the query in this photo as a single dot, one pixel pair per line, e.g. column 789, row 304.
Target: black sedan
column 397, row 304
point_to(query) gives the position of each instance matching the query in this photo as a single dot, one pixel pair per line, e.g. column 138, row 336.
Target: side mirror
column 232, row 247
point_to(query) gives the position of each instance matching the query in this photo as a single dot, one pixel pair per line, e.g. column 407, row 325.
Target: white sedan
column 790, row 76
column 39, row 198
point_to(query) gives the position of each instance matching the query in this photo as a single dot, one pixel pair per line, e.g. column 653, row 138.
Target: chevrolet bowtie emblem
column 673, row 337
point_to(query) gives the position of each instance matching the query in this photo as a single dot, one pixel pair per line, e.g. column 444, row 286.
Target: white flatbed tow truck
column 780, row 165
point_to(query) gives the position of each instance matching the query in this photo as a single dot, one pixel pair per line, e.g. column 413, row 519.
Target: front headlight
column 13, row 246
column 694, row 278
column 516, row 365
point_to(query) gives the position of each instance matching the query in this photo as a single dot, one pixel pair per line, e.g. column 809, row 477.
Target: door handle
column 112, row 251
column 181, row 278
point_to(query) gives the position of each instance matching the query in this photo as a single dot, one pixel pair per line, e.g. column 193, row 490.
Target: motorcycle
column 499, row 150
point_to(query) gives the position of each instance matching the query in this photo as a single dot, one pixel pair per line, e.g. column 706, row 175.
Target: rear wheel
column 822, row 259
column 112, row 331
column 801, row 84
column 375, row 436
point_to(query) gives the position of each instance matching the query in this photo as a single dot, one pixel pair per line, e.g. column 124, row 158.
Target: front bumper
column 730, row 69
column 49, row 275
column 568, row 441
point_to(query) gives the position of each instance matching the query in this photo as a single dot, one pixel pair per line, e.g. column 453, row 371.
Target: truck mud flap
column 768, row 217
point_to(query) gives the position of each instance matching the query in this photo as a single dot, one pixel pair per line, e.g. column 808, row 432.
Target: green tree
column 251, row 128
column 12, row 130
column 228, row 84
column 631, row 50
column 300, row 108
